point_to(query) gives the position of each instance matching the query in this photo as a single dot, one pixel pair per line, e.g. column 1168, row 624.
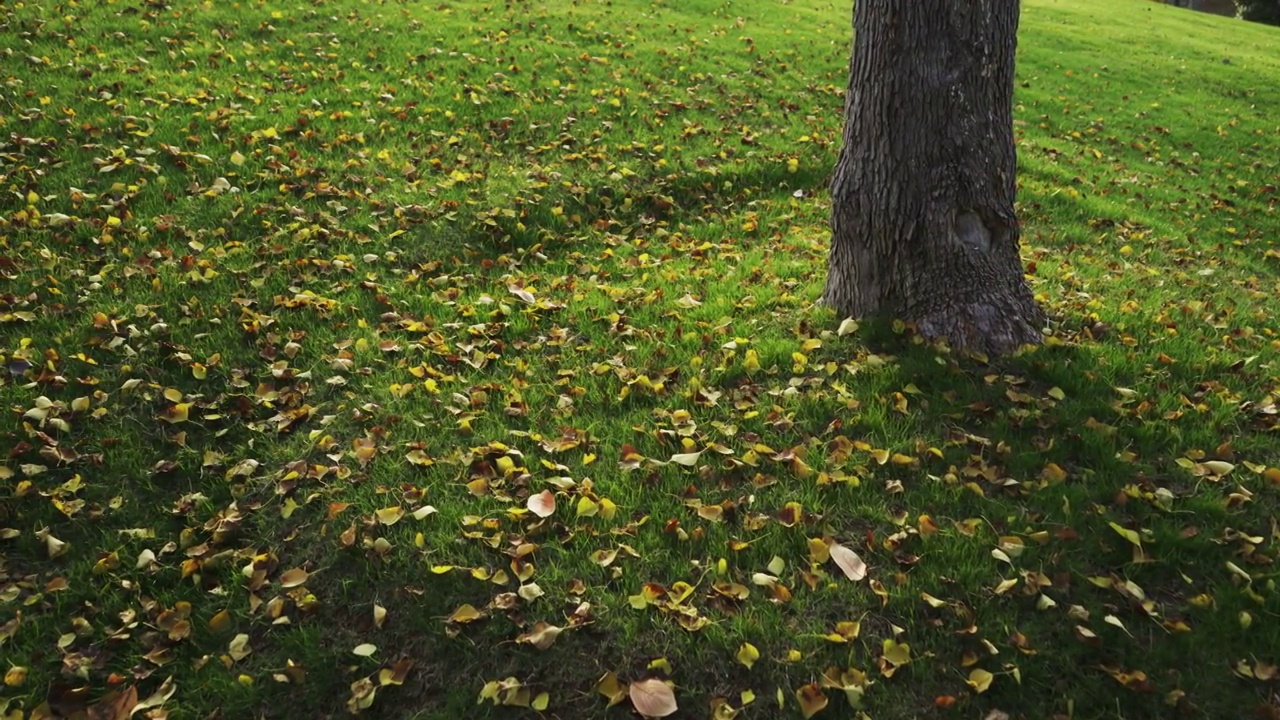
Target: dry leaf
column 543, row 504
column 390, row 515
column 465, row 613
column 686, row 459
column 849, row 562
column 239, row 648
column 812, row 700
column 293, row 578
column 542, row 636
column 979, row 680
column 653, row 698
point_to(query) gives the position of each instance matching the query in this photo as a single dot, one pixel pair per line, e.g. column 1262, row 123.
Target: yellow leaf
column 177, row 414
column 15, row 677
column 748, row 654
column 661, row 664
column 465, row 613
column 979, row 680
column 812, row 700
column 390, row 515
column 819, row 551
column 1130, row 535
column 722, row 710
column 587, row 507
column 1052, row 473
column 895, row 653
column 609, row 686
column 220, row 622
column 541, row 702
column 604, row 557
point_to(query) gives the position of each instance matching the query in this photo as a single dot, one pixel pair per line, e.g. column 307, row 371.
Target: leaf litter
column 309, row 329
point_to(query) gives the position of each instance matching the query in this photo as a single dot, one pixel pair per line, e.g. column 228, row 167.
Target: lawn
column 463, row 360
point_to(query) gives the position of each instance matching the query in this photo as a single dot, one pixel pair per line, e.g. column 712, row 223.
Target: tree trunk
column 922, row 221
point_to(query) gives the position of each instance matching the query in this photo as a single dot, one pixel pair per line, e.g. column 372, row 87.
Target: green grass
column 242, row 241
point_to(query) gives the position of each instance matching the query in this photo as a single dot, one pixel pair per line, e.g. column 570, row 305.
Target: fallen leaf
column 653, row 698
column 979, row 680
column 465, row 613
column 543, row 504
column 239, row 648
column 542, row 636
column 613, row 690
column 390, row 515
column 848, row 561
column 293, row 578
column 812, row 700
column 686, row 459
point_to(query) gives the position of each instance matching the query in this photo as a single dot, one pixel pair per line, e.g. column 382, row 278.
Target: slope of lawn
column 461, row 360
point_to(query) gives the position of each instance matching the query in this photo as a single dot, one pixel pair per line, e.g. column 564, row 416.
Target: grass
column 279, row 276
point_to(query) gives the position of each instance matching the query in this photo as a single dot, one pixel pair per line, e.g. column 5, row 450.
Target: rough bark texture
column 923, row 225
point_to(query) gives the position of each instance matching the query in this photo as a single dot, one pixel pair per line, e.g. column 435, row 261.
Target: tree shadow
column 560, row 218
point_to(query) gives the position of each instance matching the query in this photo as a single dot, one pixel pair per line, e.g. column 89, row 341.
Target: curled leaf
column 848, row 561
column 542, row 636
column 812, row 700
column 686, row 459
column 979, row 680
column 293, row 578
column 543, row 504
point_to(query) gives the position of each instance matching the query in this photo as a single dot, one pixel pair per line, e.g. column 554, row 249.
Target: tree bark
column 923, row 224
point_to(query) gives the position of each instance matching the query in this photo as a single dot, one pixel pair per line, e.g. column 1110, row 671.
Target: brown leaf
column 653, row 698
column 293, row 578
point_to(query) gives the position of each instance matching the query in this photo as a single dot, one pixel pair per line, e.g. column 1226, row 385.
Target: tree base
column 994, row 326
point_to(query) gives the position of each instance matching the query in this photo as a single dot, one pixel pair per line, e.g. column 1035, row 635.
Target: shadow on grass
column 517, row 224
